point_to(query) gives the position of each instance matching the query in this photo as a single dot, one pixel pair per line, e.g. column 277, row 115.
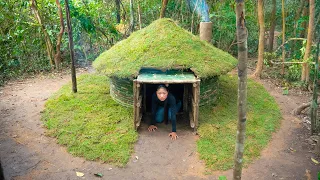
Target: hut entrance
column 148, row 89
column 183, row 85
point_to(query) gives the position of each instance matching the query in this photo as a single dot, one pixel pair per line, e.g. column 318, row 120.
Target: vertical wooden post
column 195, row 99
column 144, row 98
column 314, row 104
column 185, row 98
column 135, row 101
column 73, row 69
column 196, row 108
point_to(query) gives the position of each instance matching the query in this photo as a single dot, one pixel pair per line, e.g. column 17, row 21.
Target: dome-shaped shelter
column 163, row 52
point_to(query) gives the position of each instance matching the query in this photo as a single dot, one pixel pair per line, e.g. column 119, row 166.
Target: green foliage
column 165, row 45
column 268, row 58
column 218, row 124
column 23, row 49
column 89, row 123
column 294, row 71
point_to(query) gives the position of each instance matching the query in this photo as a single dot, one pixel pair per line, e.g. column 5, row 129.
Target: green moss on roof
column 163, row 45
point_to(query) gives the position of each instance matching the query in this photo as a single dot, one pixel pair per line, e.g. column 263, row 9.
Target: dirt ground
column 26, row 153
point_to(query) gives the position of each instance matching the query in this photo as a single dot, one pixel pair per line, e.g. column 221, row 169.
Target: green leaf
column 98, row 174
column 285, row 92
column 222, row 178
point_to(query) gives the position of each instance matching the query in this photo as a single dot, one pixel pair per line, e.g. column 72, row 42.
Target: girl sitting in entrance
column 164, row 108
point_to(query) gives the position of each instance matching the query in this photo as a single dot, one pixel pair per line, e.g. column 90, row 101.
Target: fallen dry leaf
column 79, row 174
column 315, row 161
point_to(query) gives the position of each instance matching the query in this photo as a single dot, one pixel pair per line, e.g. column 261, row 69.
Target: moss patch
column 90, row 123
column 218, row 125
column 164, row 45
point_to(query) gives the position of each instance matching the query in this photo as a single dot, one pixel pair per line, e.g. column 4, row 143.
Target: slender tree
column 314, row 104
column 73, row 69
column 242, row 36
column 117, row 3
column 50, row 50
column 259, row 67
column 305, row 67
column 296, row 18
column 163, row 8
column 283, row 36
column 57, row 57
column 131, row 16
column 304, row 24
column 273, row 25
column 139, row 16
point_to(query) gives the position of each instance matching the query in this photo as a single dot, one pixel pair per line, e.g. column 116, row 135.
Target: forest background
column 28, row 28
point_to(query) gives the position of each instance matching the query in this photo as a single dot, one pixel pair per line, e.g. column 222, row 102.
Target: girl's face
column 162, row 94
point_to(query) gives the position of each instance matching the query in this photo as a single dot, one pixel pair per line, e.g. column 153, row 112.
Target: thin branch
column 272, row 62
column 291, row 39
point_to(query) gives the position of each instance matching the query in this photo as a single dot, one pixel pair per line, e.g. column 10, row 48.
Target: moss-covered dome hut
column 161, row 53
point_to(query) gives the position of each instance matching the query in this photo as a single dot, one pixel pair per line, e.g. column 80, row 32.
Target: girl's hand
column 173, row 135
column 152, row 128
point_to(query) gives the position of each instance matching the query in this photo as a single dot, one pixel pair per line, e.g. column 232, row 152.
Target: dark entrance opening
column 185, row 86
column 177, row 91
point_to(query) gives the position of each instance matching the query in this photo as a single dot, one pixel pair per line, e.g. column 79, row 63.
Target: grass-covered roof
column 164, row 45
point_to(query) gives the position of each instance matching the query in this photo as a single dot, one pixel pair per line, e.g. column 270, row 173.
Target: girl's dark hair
column 162, row 86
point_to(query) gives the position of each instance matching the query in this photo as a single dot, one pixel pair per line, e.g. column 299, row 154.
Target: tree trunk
column 73, row 69
column 273, row 25
column 283, row 36
column 139, row 15
column 304, row 23
column 305, row 68
column 131, row 17
column 117, row 2
column 314, row 107
column 317, row 148
column 163, row 8
column 50, row 50
column 242, row 36
column 258, row 71
column 57, row 57
column 296, row 18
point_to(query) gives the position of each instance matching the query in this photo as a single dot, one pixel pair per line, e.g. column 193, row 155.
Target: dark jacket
column 169, row 103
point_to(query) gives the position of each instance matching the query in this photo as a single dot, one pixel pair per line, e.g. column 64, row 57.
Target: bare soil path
column 26, row 153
